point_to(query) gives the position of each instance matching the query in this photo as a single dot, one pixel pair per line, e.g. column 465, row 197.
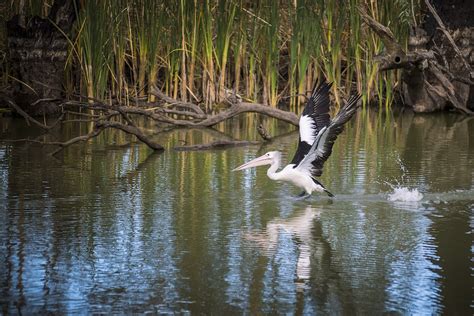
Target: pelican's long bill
column 260, row 161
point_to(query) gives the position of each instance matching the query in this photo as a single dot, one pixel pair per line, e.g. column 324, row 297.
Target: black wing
column 322, row 147
column 315, row 116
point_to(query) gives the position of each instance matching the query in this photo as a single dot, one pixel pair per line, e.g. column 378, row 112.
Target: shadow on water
column 120, row 230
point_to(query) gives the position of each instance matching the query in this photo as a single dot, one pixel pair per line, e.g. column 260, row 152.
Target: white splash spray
column 404, row 194
column 401, row 193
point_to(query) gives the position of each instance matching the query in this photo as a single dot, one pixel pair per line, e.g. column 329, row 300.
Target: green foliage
column 263, row 50
column 94, row 47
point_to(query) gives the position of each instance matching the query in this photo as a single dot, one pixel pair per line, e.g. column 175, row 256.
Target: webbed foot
column 303, row 195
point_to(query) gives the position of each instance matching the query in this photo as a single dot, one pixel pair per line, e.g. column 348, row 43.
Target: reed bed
column 266, row 51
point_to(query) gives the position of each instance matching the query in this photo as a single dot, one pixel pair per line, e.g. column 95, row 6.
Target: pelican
column 317, row 134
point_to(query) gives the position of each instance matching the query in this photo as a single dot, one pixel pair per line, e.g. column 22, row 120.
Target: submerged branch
column 217, row 145
column 28, row 117
column 61, row 145
column 132, row 130
column 78, row 139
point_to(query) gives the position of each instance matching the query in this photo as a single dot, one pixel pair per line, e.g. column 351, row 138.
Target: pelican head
column 269, row 158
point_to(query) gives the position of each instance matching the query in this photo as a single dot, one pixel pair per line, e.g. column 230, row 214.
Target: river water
column 109, row 227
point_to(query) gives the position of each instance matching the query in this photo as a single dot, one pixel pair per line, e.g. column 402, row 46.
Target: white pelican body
column 317, row 136
column 296, row 176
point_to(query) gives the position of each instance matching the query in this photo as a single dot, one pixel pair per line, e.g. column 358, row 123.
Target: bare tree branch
column 77, row 139
column 245, row 107
column 157, row 92
column 28, row 117
column 183, row 114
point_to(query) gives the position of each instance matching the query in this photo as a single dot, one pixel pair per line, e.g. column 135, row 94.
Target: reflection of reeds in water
column 265, row 50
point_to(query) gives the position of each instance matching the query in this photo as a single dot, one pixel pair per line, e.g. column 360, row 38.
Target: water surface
column 109, row 227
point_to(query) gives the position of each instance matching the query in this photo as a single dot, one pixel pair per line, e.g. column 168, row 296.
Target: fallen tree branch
column 82, row 138
column 28, row 117
column 235, row 109
column 189, row 115
column 158, row 114
column 98, row 128
column 179, row 112
column 382, row 31
column 158, row 107
column 157, row 92
column 245, row 107
column 131, row 130
column 216, row 145
column 212, row 120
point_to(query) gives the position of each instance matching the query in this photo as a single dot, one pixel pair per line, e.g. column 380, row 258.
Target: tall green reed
column 267, row 51
column 94, row 47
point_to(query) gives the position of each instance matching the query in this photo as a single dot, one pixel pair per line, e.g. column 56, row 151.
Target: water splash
column 404, row 194
column 403, row 169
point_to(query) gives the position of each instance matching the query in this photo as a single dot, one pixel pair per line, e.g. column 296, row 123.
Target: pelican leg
column 303, row 195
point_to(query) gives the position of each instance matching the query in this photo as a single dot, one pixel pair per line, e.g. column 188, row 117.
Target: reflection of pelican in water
column 300, row 229
column 309, row 263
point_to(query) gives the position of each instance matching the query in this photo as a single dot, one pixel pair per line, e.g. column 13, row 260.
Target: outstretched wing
column 315, row 116
column 322, row 147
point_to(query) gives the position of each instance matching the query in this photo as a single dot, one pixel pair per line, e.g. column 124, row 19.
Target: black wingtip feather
column 328, row 193
column 348, row 109
column 319, row 102
column 321, row 90
column 320, row 84
column 323, row 84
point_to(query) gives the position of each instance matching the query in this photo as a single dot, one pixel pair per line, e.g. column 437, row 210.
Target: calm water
column 109, row 227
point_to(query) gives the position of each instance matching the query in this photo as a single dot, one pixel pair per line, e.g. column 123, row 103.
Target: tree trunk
column 37, row 52
column 437, row 68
